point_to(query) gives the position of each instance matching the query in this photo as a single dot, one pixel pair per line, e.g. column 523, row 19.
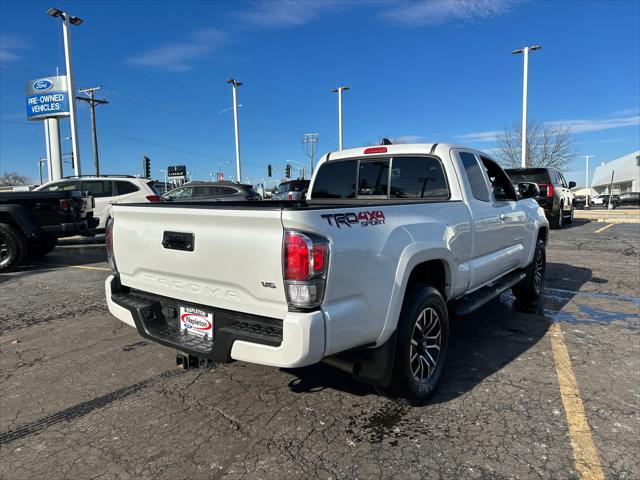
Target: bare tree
column 14, row 178
column 548, row 145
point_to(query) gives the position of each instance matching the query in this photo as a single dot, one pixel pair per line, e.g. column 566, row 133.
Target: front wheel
column 530, row 288
column 13, row 247
column 423, row 338
column 558, row 220
column 570, row 218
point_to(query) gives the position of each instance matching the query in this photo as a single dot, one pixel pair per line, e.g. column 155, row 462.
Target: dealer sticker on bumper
column 196, row 322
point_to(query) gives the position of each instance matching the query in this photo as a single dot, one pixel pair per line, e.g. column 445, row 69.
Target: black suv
column 630, row 199
column 556, row 197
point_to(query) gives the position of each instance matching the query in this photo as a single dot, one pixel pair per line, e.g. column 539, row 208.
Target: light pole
column 586, row 181
column 339, row 91
column 526, row 51
column 66, row 21
column 164, row 171
column 235, row 84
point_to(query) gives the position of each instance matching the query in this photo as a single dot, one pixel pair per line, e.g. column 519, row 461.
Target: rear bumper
column 296, row 341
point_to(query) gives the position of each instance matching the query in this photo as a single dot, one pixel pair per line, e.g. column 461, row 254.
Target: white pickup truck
column 362, row 274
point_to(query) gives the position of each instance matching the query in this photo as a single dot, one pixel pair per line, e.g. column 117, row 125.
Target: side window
column 563, row 181
column 184, row 192
column 98, row 188
column 475, row 176
column 124, row 187
column 62, row 187
column 502, row 187
column 373, row 178
column 336, row 180
column 417, row 177
column 227, row 191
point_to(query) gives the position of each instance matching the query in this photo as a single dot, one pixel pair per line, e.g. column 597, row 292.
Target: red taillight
column 153, row 198
column 549, row 187
column 306, row 260
column 296, row 258
column 375, row 150
column 319, row 257
column 65, row 204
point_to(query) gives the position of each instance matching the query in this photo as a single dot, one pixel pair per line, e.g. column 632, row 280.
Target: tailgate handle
column 178, row 241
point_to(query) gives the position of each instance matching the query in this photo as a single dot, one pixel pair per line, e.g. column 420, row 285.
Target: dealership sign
column 47, row 97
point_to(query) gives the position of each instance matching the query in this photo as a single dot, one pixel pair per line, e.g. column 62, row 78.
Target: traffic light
column 287, row 171
column 269, row 170
column 147, row 167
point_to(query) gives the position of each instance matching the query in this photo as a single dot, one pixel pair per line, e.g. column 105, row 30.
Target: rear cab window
column 391, row 178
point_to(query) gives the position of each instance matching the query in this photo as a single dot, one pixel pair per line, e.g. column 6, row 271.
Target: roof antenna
column 386, row 141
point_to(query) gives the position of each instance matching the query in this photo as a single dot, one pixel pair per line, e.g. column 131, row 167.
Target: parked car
column 362, row 275
column 630, row 199
column 106, row 190
column 32, row 222
column 580, row 201
column 223, row 191
column 292, row 190
column 556, row 197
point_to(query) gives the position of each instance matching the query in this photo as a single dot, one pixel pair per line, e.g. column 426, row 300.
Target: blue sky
column 422, row 71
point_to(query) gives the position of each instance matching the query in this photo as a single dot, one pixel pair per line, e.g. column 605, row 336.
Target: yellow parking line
column 605, row 227
column 585, row 455
column 89, row 268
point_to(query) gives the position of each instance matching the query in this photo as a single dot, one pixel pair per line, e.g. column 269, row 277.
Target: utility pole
column 66, row 21
column 339, row 91
column 92, row 104
column 235, row 84
column 526, row 51
column 586, row 181
column 310, row 140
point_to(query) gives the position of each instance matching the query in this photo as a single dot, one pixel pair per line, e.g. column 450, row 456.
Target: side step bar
column 475, row 300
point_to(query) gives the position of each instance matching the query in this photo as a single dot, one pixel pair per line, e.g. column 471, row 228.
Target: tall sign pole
column 235, row 84
column 70, row 89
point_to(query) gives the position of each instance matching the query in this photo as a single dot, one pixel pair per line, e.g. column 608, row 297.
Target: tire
column 570, row 219
column 45, row 246
column 558, row 220
column 420, row 358
column 13, row 247
column 530, row 288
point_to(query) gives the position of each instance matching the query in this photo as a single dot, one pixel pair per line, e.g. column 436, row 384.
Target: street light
column 66, row 20
column 339, row 91
column 235, row 84
column 526, row 51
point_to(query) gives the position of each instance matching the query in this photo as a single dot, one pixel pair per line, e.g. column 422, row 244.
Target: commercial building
column 626, row 175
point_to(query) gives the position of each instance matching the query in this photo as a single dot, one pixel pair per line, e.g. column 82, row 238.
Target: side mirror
column 499, row 193
column 572, row 184
column 528, row 190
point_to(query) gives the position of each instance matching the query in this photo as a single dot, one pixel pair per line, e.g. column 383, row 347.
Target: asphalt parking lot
column 550, row 391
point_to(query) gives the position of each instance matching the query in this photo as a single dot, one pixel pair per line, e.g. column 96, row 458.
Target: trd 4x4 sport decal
column 365, row 219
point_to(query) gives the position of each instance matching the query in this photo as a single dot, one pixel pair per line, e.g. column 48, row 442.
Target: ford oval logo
column 43, row 85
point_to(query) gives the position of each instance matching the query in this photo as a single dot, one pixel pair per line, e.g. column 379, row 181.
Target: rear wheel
column 570, row 217
column 558, row 220
column 13, row 247
column 530, row 288
column 423, row 337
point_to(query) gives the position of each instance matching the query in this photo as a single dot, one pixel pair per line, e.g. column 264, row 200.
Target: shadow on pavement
column 61, row 257
column 481, row 343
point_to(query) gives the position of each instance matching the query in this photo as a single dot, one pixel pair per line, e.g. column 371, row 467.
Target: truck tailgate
column 235, row 262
